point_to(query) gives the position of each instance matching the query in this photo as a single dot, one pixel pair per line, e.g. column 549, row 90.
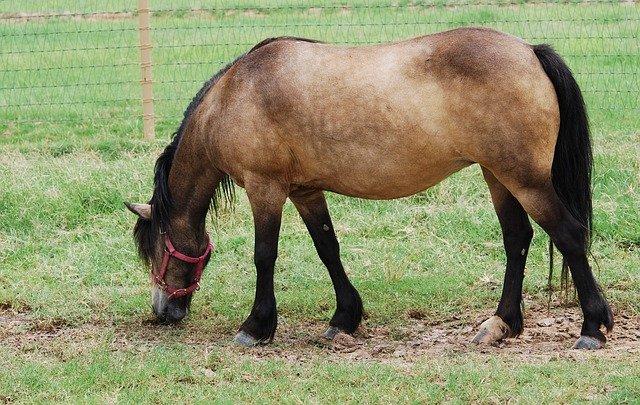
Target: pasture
column 76, row 323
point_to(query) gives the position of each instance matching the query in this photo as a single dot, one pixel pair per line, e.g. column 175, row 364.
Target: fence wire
column 75, row 66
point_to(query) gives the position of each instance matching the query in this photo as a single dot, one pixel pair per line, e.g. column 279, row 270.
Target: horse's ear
column 141, row 210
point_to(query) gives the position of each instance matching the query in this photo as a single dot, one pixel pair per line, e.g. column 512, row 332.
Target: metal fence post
column 148, row 116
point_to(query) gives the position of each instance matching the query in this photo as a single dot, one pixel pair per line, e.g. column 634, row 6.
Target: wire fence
column 76, row 66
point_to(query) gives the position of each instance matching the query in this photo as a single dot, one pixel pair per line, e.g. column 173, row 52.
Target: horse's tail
column 573, row 159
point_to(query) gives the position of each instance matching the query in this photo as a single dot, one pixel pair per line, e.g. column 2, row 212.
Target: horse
column 293, row 118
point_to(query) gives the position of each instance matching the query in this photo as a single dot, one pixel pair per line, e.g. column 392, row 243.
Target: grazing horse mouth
column 169, row 312
column 169, row 317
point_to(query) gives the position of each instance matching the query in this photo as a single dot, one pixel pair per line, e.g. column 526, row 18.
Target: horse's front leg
column 312, row 207
column 517, row 234
column 267, row 200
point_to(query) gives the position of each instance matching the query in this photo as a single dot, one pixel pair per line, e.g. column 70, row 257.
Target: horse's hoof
column 588, row 343
column 242, row 338
column 492, row 330
column 331, row 332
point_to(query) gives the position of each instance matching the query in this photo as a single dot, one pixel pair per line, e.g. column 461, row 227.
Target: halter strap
column 170, row 251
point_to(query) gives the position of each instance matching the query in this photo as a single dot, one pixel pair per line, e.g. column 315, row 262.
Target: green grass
column 74, row 299
column 228, row 376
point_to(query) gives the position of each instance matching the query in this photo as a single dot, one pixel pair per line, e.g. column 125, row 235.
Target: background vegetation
column 74, row 299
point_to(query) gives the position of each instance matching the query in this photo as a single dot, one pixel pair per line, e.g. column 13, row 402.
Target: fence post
column 148, row 117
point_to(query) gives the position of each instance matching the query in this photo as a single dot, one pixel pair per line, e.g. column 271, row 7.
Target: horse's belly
column 387, row 179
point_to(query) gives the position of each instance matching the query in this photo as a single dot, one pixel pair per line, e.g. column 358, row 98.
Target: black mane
column 146, row 232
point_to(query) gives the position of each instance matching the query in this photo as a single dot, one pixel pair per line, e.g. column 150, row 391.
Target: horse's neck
column 192, row 182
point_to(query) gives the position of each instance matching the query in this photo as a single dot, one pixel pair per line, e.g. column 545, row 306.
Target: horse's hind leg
column 266, row 199
column 541, row 202
column 312, row 207
column 517, row 234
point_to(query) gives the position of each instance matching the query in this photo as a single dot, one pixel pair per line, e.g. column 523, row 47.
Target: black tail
column 573, row 159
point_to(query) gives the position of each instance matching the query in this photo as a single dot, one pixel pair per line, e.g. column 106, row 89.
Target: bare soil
column 547, row 334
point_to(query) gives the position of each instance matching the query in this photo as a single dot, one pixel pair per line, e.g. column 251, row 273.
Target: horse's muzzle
column 168, row 311
column 172, row 314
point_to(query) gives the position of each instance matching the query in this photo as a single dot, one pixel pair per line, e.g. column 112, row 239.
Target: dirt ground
column 548, row 334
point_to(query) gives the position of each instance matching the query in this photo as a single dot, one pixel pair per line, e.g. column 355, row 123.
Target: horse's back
column 387, row 120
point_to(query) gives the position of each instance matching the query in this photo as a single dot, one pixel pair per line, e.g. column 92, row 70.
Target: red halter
column 171, row 251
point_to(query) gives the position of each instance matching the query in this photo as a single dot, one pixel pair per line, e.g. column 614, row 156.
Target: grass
column 104, row 376
column 74, row 300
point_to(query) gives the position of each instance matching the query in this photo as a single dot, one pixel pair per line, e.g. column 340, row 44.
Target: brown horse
column 293, row 117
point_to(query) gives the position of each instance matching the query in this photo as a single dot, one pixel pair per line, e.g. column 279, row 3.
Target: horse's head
column 175, row 275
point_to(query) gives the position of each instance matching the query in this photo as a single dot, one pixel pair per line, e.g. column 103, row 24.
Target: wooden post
column 148, row 117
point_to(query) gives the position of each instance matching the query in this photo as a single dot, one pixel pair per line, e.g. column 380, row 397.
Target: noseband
column 171, row 251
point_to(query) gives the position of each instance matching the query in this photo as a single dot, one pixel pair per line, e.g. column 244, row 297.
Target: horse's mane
column 146, row 232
